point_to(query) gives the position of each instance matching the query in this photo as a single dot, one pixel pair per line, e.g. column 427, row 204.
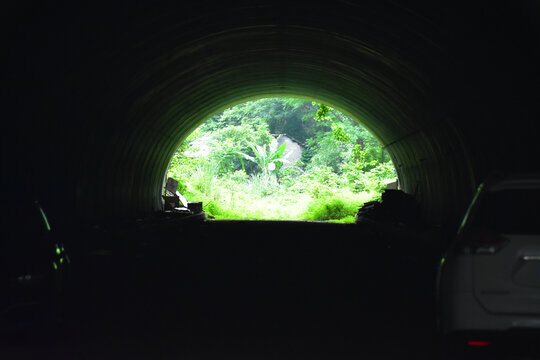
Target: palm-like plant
column 268, row 159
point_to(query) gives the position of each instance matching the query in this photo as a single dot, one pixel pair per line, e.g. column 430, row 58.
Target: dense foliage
column 235, row 165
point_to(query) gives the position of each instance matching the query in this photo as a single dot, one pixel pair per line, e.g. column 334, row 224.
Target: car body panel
column 504, row 282
column 494, row 288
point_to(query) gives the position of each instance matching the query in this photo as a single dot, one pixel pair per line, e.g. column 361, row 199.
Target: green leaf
column 340, row 135
column 322, row 112
column 246, row 156
column 279, row 152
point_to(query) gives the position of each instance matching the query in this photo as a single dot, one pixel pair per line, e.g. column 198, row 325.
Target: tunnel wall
column 100, row 98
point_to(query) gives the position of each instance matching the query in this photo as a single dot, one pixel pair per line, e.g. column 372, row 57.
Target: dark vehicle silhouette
column 34, row 271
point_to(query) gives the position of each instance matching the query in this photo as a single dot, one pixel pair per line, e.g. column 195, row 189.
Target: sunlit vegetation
column 245, row 163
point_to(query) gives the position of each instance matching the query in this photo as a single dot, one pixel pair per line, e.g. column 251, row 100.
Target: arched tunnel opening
column 279, row 159
column 153, row 86
column 432, row 94
column 100, row 98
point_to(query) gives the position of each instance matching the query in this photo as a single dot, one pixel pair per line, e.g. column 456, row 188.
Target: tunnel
column 100, row 98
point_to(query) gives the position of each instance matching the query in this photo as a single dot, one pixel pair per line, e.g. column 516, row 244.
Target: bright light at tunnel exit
column 281, row 159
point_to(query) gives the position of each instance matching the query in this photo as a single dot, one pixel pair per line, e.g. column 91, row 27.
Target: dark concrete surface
column 158, row 289
column 243, row 290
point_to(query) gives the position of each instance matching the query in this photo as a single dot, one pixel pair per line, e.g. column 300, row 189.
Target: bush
column 331, row 209
column 212, row 209
column 318, row 181
column 288, row 176
column 372, row 180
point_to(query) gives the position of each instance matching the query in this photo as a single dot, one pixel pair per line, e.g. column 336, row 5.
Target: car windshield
column 511, row 211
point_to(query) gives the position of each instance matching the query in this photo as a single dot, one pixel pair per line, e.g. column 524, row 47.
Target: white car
column 488, row 283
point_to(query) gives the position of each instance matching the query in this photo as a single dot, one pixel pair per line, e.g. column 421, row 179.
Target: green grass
column 332, row 208
column 238, row 202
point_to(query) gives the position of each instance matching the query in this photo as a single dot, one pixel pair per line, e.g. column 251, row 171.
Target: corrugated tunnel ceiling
column 110, row 92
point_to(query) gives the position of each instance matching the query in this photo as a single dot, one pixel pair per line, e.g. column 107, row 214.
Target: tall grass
column 261, row 196
column 248, row 201
column 203, row 178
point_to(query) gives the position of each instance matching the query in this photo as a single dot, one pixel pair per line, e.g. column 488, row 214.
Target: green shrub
column 288, row 176
column 212, row 209
column 372, row 180
column 331, row 209
column 318, row 181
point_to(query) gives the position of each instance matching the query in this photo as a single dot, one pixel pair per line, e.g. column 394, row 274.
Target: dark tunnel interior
column 98, row 97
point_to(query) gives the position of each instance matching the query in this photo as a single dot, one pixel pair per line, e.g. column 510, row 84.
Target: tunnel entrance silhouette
column 162, row 105
column 117, row 101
